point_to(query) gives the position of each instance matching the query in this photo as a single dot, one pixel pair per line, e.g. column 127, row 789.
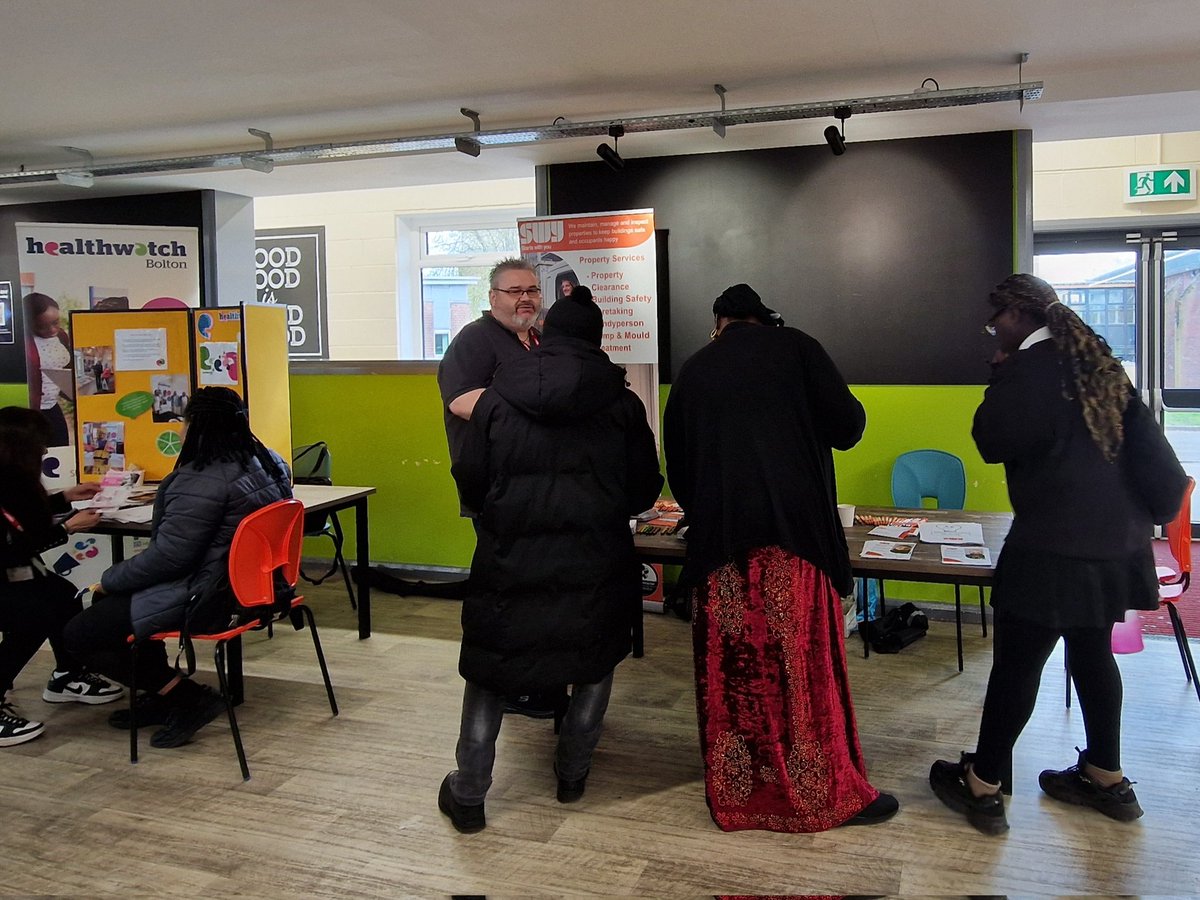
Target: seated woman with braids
column 223, row 474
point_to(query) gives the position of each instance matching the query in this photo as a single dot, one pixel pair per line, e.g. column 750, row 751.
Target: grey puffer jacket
column 196, row 513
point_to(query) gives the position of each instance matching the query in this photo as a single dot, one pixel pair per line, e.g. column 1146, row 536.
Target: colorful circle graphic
column 168, row 443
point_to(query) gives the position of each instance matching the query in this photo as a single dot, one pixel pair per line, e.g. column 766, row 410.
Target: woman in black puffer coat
column 559, row 457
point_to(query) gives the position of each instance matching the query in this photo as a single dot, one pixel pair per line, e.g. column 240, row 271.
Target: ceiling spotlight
column 467, row 145
column 835, row 136
column 257, row 163
column 76, row 179
column 611, row 157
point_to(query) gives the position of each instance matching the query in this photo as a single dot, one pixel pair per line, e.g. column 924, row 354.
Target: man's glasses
column 518, row 293
column 990, row 328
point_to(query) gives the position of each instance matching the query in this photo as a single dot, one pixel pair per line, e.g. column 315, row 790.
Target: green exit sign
column 1160, row 183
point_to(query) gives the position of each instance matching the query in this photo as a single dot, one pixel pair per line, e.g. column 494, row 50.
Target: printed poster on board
column 93, row 267
column 613, row 254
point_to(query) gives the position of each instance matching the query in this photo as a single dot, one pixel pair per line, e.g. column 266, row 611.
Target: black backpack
column 897, row 628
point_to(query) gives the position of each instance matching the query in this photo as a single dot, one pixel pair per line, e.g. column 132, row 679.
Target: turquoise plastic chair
column 937, row 474
column 940, row 476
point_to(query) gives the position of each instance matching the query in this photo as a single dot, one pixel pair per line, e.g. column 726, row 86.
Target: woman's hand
column 81, row 491
column 84, row 520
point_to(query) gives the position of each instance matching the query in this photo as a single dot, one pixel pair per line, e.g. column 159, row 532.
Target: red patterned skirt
column 777, row 729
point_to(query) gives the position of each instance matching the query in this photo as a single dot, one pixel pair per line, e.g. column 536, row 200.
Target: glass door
column 1179, row 348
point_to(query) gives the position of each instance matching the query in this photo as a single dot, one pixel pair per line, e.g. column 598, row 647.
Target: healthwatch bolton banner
column 613, row 254
column 90, row 267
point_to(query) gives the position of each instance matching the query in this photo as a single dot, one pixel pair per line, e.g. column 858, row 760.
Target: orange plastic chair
column 1172, row 584
column 266, row 542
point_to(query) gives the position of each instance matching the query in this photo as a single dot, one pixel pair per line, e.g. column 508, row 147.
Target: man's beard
column 524, row 322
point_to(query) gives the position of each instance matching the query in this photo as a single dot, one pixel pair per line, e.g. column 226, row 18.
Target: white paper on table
column 131, row 514
column 966, row 556
column 109, row 497
column 952, row 533
column 886, row 550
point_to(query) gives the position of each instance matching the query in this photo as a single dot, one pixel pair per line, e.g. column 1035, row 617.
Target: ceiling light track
column 561, row 130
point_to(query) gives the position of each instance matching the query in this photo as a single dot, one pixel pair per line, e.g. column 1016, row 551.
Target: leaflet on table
column 952, row 533
column 966, row 556
column 886, row 550
column 901, row 530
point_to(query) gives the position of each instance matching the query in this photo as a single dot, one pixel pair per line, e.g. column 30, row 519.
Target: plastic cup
column 846, row 514
column 1127, row 635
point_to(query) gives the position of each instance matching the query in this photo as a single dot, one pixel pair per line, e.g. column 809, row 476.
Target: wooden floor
column 346, row 807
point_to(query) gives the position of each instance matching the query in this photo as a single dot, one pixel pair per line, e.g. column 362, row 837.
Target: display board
column 131, row 382
column 264, row 351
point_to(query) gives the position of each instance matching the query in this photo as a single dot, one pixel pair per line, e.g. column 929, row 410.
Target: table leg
column 362, row 537
column 118, row 548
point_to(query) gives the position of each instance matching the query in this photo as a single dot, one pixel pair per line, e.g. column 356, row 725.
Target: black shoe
column 152, row 709
column 570, row 790
column 466, row 819
column 878, row 810
column 537, row 706
column 949, row 782
column 185, row 719
column 1074, row 786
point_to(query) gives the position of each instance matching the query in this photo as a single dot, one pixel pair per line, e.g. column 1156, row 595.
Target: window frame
column 411, row 259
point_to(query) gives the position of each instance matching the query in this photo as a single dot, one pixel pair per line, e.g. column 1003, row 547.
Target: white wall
column 1084, row 181
column 360, row 247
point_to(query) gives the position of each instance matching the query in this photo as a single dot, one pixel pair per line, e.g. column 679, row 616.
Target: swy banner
column 613, row 254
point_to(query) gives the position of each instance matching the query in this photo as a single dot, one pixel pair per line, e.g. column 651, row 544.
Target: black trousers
column 32, row 612
column 100, row 637
column 1019, row 653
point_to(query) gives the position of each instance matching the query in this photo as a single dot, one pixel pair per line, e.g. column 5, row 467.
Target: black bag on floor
column 897, row 628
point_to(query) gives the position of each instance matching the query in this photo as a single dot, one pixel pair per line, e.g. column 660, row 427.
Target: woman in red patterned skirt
column 748, row 433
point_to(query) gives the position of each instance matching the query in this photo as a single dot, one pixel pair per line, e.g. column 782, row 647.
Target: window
column 443, row 268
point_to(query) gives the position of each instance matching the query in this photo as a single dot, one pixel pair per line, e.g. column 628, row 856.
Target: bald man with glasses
column 506, row 331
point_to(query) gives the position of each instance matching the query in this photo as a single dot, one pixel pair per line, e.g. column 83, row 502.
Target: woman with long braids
column 1060, row 414
column 223, row 474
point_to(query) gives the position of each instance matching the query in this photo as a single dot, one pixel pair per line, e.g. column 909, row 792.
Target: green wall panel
column 14, row 395
column 386, row 430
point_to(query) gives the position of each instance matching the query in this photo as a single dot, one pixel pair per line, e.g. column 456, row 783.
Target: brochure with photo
column 899, row 531
column 966, row 556
column 887, row 550
column 952, row 533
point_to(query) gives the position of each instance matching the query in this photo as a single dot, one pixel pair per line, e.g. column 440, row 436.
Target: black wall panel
column 885, row 254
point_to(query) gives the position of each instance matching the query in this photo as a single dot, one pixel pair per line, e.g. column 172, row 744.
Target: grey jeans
column 482, row 712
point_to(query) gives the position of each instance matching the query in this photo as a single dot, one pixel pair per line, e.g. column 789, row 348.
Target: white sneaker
column 81, row 687
column 14, row 727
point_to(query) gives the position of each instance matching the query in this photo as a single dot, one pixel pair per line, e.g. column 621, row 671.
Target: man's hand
column 464, row 404
column 82, row 491
column 84, row 520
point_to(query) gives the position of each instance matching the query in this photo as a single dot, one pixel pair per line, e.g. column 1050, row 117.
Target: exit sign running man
column 1160, row 183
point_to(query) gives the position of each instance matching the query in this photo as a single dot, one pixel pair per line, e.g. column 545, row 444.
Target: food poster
column 217, row 336
column 145, row 360
column 612, row 253
column 67, row 268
